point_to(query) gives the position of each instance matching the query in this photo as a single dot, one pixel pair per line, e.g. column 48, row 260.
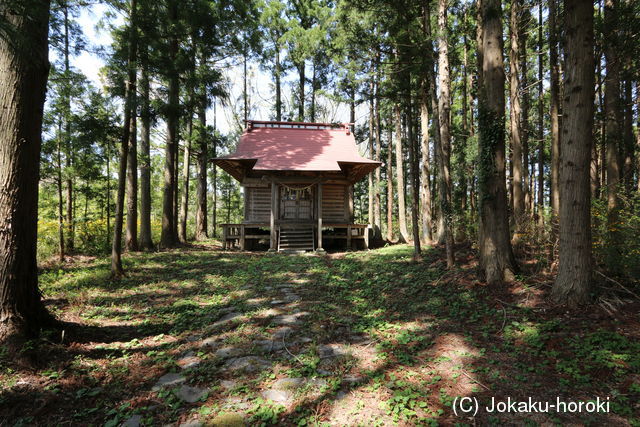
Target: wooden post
column 272, row 224
column 320, row 249
column 351, row 217
column 366, row 237
column 224, row 237
column 348, row 236
column 242, row 241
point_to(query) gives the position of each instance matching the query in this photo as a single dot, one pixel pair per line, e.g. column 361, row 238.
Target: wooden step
column 296, row 239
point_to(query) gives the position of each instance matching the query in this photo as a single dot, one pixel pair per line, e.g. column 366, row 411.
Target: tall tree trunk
column 613, row 112
column 61, row 253
column 145, row 240
column 629, row 149
column 68, row 143
column 389, row 185
column 312, row 107
column 168, row 237
column 516, row 120
column 524, row 117
column 601, row 153
column 214, row 180
column 573, row 282
column 203, row 157
column 186, row 165
column 496, row 256
column 377, row 216
column 22, row 94
column 402, row 211
column 129, row 102
column 555, row 116
column 540, row 123
column 414, row 174
column 301, row 90
column 371, row 218
column 278, row 72
column 444, row 112
column 638, row 135
column 425, row 176
column 131, row 232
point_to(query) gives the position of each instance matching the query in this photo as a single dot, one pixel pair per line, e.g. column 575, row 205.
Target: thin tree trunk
column 425, row 178
column 389, row 185
column 555, row 117
column 638, row 135
column 573, row 283
column 214, row 181
column 602, row 153
column 278, row 72
column 444, row 112
column 377, row 216
column 629, row 155
column 496, row 256
column 186, row 165
column 22, row 94
column 312, row 107
column 68, row 143
column 131, row 232
column 540, row 123
column 402, row 211
column 415, row 177
column 515, row 121
column 614, row 135
column 201, row 190
column 130, row 93
column 301, row 91
column 145, row 241
column 61, row 253
column 524, row 117
column 168, row 237
column 371, row 218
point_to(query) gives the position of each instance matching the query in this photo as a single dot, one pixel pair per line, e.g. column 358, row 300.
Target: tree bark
column 370, row 213
column 130, row 93
column 402, row 211
column 613, row 116
column 516, row 121
column 203, row 157
column 168, row 237
column 414, row 174
column 573, row 283
column 377, row 215
column 540, row 124
column 145, row 240
column 61, row 253
column 555, row 117
column 444, row 112
column 496, row 256
column 629, row 149
column 23, row 82
column 425, row 173
column 390, row 186
column 301, row 82
column 131, row 232
column 278, row 72
column 186, row 166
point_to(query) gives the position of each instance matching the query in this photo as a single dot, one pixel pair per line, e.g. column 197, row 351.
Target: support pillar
column 273, row 243
column 320, row 249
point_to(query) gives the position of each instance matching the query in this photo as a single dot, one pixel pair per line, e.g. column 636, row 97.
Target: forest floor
column 202, row 336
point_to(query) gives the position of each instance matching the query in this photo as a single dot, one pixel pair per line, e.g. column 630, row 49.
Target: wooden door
column 296, row 204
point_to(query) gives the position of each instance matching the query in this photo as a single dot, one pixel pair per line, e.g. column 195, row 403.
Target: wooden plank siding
column 334, row 207
column 257, row 204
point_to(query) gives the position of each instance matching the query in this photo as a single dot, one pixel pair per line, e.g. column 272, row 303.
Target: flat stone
column 317, row 382
column 191, row 394
column 340, row 395
column 286, row 319
column 212, row 342
column 305, row 340
column 331, row 350
column 227, row 420
column 277, row 302
column 247, row 364
column 227, row 352
column 228, row 384
column 282, row 332
column 168, row 380
column 188, row 360
column 324, row 372
column 270, row 312
column 132, row 421
column 289, row 383
column 255, row 301
column 292, row 297
column 268, row 345
column 280, row 396
column 352, row 379
column 229, row 317
column 192, row 423
column 192, row 338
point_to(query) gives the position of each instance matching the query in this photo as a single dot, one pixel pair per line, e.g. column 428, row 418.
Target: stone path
column 240, row 361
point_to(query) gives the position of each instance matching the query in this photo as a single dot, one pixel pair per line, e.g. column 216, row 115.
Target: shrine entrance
column 296, row 204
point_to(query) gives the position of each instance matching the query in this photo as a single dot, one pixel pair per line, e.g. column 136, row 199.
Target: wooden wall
column 334, row 203
column 257, row 206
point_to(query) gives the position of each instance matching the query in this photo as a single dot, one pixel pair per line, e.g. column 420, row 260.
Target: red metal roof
column 282, row 146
